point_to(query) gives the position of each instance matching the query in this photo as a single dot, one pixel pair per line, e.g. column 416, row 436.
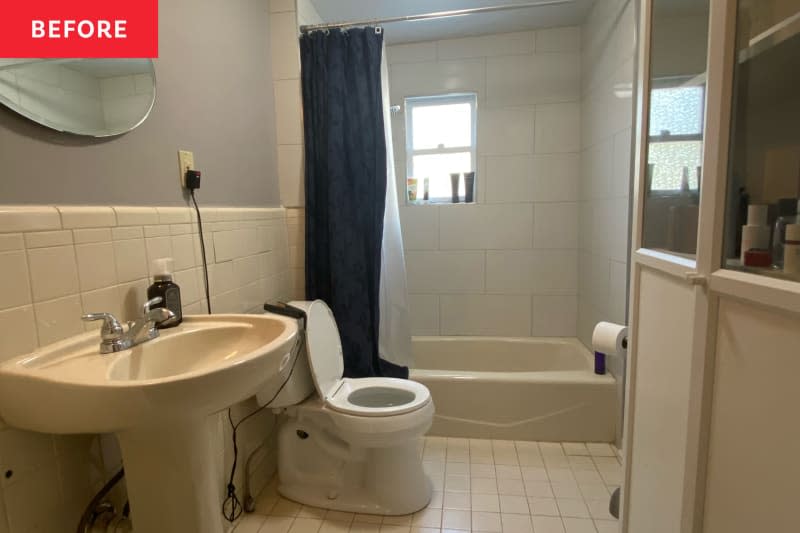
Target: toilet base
column 351, row 500
column 317, row 467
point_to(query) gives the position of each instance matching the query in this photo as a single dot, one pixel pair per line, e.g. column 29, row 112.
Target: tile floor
column 490, row 486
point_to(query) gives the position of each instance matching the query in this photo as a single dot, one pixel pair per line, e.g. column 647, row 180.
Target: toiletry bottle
column 791, row 250
column 168, row 290
column 788, row 213
column 755, row 234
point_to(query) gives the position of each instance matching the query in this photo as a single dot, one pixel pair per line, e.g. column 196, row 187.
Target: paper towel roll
column 610, row 338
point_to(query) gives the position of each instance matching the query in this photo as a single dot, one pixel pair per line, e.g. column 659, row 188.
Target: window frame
column 409, row 103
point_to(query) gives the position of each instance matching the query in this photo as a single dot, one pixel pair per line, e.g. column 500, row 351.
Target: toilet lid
column 325, row 356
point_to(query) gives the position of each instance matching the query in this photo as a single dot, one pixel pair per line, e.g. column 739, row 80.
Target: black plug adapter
column 192, row 179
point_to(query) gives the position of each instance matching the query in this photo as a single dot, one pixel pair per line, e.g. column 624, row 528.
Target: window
column 676, row 135
column 440, row 140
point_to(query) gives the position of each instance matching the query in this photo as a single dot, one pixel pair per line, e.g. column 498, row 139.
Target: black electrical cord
column 202, row 250
column 232, row 507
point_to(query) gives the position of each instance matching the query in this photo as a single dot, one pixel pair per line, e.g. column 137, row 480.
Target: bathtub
column 541, row 389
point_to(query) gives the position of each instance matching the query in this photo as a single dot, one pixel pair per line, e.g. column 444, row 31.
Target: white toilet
column 354, row 445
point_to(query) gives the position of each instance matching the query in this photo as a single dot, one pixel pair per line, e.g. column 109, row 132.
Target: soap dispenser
column 167, row 289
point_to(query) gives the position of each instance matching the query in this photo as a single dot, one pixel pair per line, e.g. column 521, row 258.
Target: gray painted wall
column 213, row 96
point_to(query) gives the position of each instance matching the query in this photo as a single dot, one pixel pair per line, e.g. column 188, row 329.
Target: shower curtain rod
column 428, row 16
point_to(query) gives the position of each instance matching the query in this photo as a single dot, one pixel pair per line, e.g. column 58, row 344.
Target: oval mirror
column 94, row 97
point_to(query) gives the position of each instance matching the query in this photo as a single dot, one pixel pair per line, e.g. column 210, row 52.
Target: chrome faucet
column 115, row 338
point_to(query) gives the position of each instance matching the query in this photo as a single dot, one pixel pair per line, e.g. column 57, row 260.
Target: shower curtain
column 353, row 245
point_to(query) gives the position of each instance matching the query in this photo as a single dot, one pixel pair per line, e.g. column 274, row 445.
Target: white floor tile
column 427, row 518
column 399, row 520
column 599, row 509
column 600, row 449
column 457, row 469
column 484, row 470
column 575, row 448
column 390, row 528
column 573, row 507
column 307, row 511
column 483, row 485
column 437, row 500
column 456, row 483
column 453, row 519
column 457, row 500
column 606, row 526
column 514, row 504
column 305, row 525
column 489, row 522
column 547, row 524
column 585, row 477
column 425, row 530
column 510, row 486
column 364, row 527
column 516, row 523
column 566, row 489
column 543, row 506
column 339, row 516
column 368, row 519
column 276, row 524
column 489, row 503
column 534, row 473
column 332, row 526
column 560, row 474
column 285, row 507
column 508, row 472
column 250, row 523
column 579, row 525
column 538, row 489
column 551, row 448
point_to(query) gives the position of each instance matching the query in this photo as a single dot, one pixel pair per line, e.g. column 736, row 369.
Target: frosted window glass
column 676, row 111
column 669, row 159
column 437, row 168
column 442, row 126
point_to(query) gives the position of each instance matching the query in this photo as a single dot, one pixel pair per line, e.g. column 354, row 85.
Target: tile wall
column 607, row 69
column 506, row 265
column 60, row 262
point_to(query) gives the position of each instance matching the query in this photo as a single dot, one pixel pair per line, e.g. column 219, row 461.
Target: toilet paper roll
column 610, row 338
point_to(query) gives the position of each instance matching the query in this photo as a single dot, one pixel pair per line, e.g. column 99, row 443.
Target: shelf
column 780, row 32
column 735, row 264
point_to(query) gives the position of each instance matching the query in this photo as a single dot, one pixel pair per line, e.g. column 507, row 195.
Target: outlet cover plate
column 185, row 162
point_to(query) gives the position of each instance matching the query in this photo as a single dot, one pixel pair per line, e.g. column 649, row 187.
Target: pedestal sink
column 157, row 398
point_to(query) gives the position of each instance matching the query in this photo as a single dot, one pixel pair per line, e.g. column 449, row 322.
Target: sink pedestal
column 173, row 474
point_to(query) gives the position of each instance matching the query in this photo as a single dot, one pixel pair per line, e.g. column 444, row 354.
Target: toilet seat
column 378, row 396
column 362, row 396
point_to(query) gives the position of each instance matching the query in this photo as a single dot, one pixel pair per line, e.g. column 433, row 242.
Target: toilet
column 348, row 444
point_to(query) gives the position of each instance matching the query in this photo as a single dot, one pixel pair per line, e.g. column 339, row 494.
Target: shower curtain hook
column 378, row 30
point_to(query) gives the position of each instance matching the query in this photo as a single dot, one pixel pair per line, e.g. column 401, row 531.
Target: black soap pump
column 167, row 289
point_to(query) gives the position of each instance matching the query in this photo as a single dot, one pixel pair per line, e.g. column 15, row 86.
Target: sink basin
column 156, row 397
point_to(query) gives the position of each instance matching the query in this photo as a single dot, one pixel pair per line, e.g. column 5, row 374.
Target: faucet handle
column 150, row 303
column 111, row 330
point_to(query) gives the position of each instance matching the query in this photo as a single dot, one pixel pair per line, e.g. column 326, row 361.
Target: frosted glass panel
column 671, row 161
column 676, row 111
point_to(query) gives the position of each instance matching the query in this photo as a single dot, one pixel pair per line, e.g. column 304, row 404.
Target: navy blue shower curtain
column 345, row 187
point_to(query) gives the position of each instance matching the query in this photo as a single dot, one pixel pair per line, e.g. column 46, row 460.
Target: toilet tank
column 299, row 385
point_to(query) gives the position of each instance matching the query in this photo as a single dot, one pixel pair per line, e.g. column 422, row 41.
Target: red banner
column 79, row 28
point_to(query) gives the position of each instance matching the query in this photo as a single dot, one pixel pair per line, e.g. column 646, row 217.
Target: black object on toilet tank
column 599, row 363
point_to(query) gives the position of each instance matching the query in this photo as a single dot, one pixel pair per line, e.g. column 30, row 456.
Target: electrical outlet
column 185, row 162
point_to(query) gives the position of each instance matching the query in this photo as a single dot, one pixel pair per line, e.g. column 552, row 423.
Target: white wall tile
column 411, row 52
column 174, row 215
column 44, row 239
column 556, row 177
column 29, row 218
column 509, row 179
column 58, row 319
column 486, row 314
column 498, row 44
column 182, row 251
column 130, row 259
column 132, row 296
column 19, row 332
column 96, row 267
column 420, row 226
column 485, row 227
column 563, row 39
column 124, row 233
column 284, row 46
column 82, row 236
column 86, row 217
column 555, row 225
column 136, row 216
column 11, row 241
column 157, row 248
column 537, row 271
column 424, row 312
column 53, row 272
column 290, row 175
column 106, row 300
column 15, row 289
column 536, row 79
column 442, row 77
column 443, row 272
column 506, row 131
column 555, row 315
column 558, row 128
column 279, row 6
column 288, row 112
column 621, row 177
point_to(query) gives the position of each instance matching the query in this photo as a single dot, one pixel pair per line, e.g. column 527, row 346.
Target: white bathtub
column 516, row 388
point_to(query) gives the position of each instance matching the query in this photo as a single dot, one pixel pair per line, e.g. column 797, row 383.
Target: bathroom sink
column 157, row 398
column 197, row 368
